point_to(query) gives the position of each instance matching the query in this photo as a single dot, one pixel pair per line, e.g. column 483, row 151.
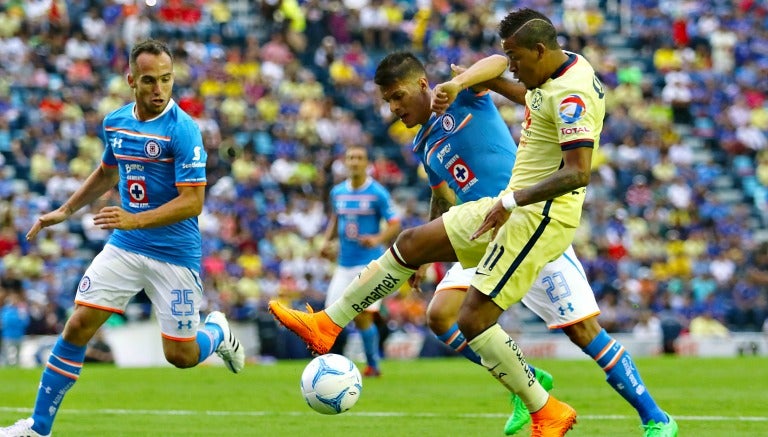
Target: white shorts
column 561, row 294
column 342, row 277
column 116, row 275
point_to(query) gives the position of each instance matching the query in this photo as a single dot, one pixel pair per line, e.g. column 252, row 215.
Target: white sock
column 380, row 278
column 506, row 362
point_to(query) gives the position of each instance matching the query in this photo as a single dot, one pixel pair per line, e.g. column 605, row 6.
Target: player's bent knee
column 180, row 359
column 407, row 242
column 439, row 319
column 182, row 354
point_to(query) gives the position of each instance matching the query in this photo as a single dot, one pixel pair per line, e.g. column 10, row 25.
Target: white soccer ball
column 331, row 384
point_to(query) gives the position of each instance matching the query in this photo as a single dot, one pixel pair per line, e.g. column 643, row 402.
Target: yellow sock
column 506, row 362
column 380, row 278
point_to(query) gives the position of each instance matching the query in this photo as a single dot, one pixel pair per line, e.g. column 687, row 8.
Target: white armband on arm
column 508, row 201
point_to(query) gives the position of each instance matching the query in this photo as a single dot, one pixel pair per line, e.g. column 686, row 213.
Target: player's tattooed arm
column 443, row 198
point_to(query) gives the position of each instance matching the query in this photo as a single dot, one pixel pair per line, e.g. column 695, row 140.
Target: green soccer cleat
column 520, row 415
column 661, row 429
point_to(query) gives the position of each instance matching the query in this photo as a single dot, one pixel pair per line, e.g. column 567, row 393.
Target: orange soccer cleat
column 553, row 420
column 316, row 329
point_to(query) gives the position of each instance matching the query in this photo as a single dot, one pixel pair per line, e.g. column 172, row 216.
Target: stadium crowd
column 671, row 229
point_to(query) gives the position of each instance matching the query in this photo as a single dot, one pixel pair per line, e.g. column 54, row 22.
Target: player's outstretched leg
column 59, row 375
column 230, row 350
column 506, row 362
column 520, row 414
column 622, row 374
column 317, row 330
column 378, row 279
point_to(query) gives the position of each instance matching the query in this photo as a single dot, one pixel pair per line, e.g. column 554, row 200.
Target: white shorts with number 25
column 116, row 275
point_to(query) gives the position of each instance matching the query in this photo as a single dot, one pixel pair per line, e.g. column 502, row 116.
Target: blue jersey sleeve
column 189, row 154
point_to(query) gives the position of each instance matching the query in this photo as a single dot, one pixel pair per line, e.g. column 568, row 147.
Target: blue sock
column 623, row 376
column 60, row 373
column 371, row 345
column 208, row 338
column 456, row 341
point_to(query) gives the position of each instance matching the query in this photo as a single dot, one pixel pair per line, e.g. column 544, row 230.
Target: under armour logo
column 568, row 308
column 188, row 323
column 116, row 143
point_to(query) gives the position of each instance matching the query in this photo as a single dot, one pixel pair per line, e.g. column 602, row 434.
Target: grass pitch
column 428, row 397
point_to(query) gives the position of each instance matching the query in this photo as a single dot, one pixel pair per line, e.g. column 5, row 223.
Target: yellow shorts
column 461, row 221
column 510, row 264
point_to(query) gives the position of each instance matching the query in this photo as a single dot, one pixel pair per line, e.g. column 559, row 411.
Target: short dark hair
column 538, row 29
column 396, row 67
column 151, row 46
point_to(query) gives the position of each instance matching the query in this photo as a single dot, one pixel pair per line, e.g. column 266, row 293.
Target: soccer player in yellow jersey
column 563, row 119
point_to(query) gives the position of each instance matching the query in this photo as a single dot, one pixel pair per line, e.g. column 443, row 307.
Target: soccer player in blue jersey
column 154, row 154
column 359, row 206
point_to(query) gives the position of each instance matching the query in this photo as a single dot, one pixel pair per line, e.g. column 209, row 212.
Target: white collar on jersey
column 167, row 108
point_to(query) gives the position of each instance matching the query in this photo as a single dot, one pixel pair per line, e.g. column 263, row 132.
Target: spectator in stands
column 648, row 327
column 705, row 325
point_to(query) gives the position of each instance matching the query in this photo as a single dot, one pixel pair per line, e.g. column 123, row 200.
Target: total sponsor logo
column 574, row 130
